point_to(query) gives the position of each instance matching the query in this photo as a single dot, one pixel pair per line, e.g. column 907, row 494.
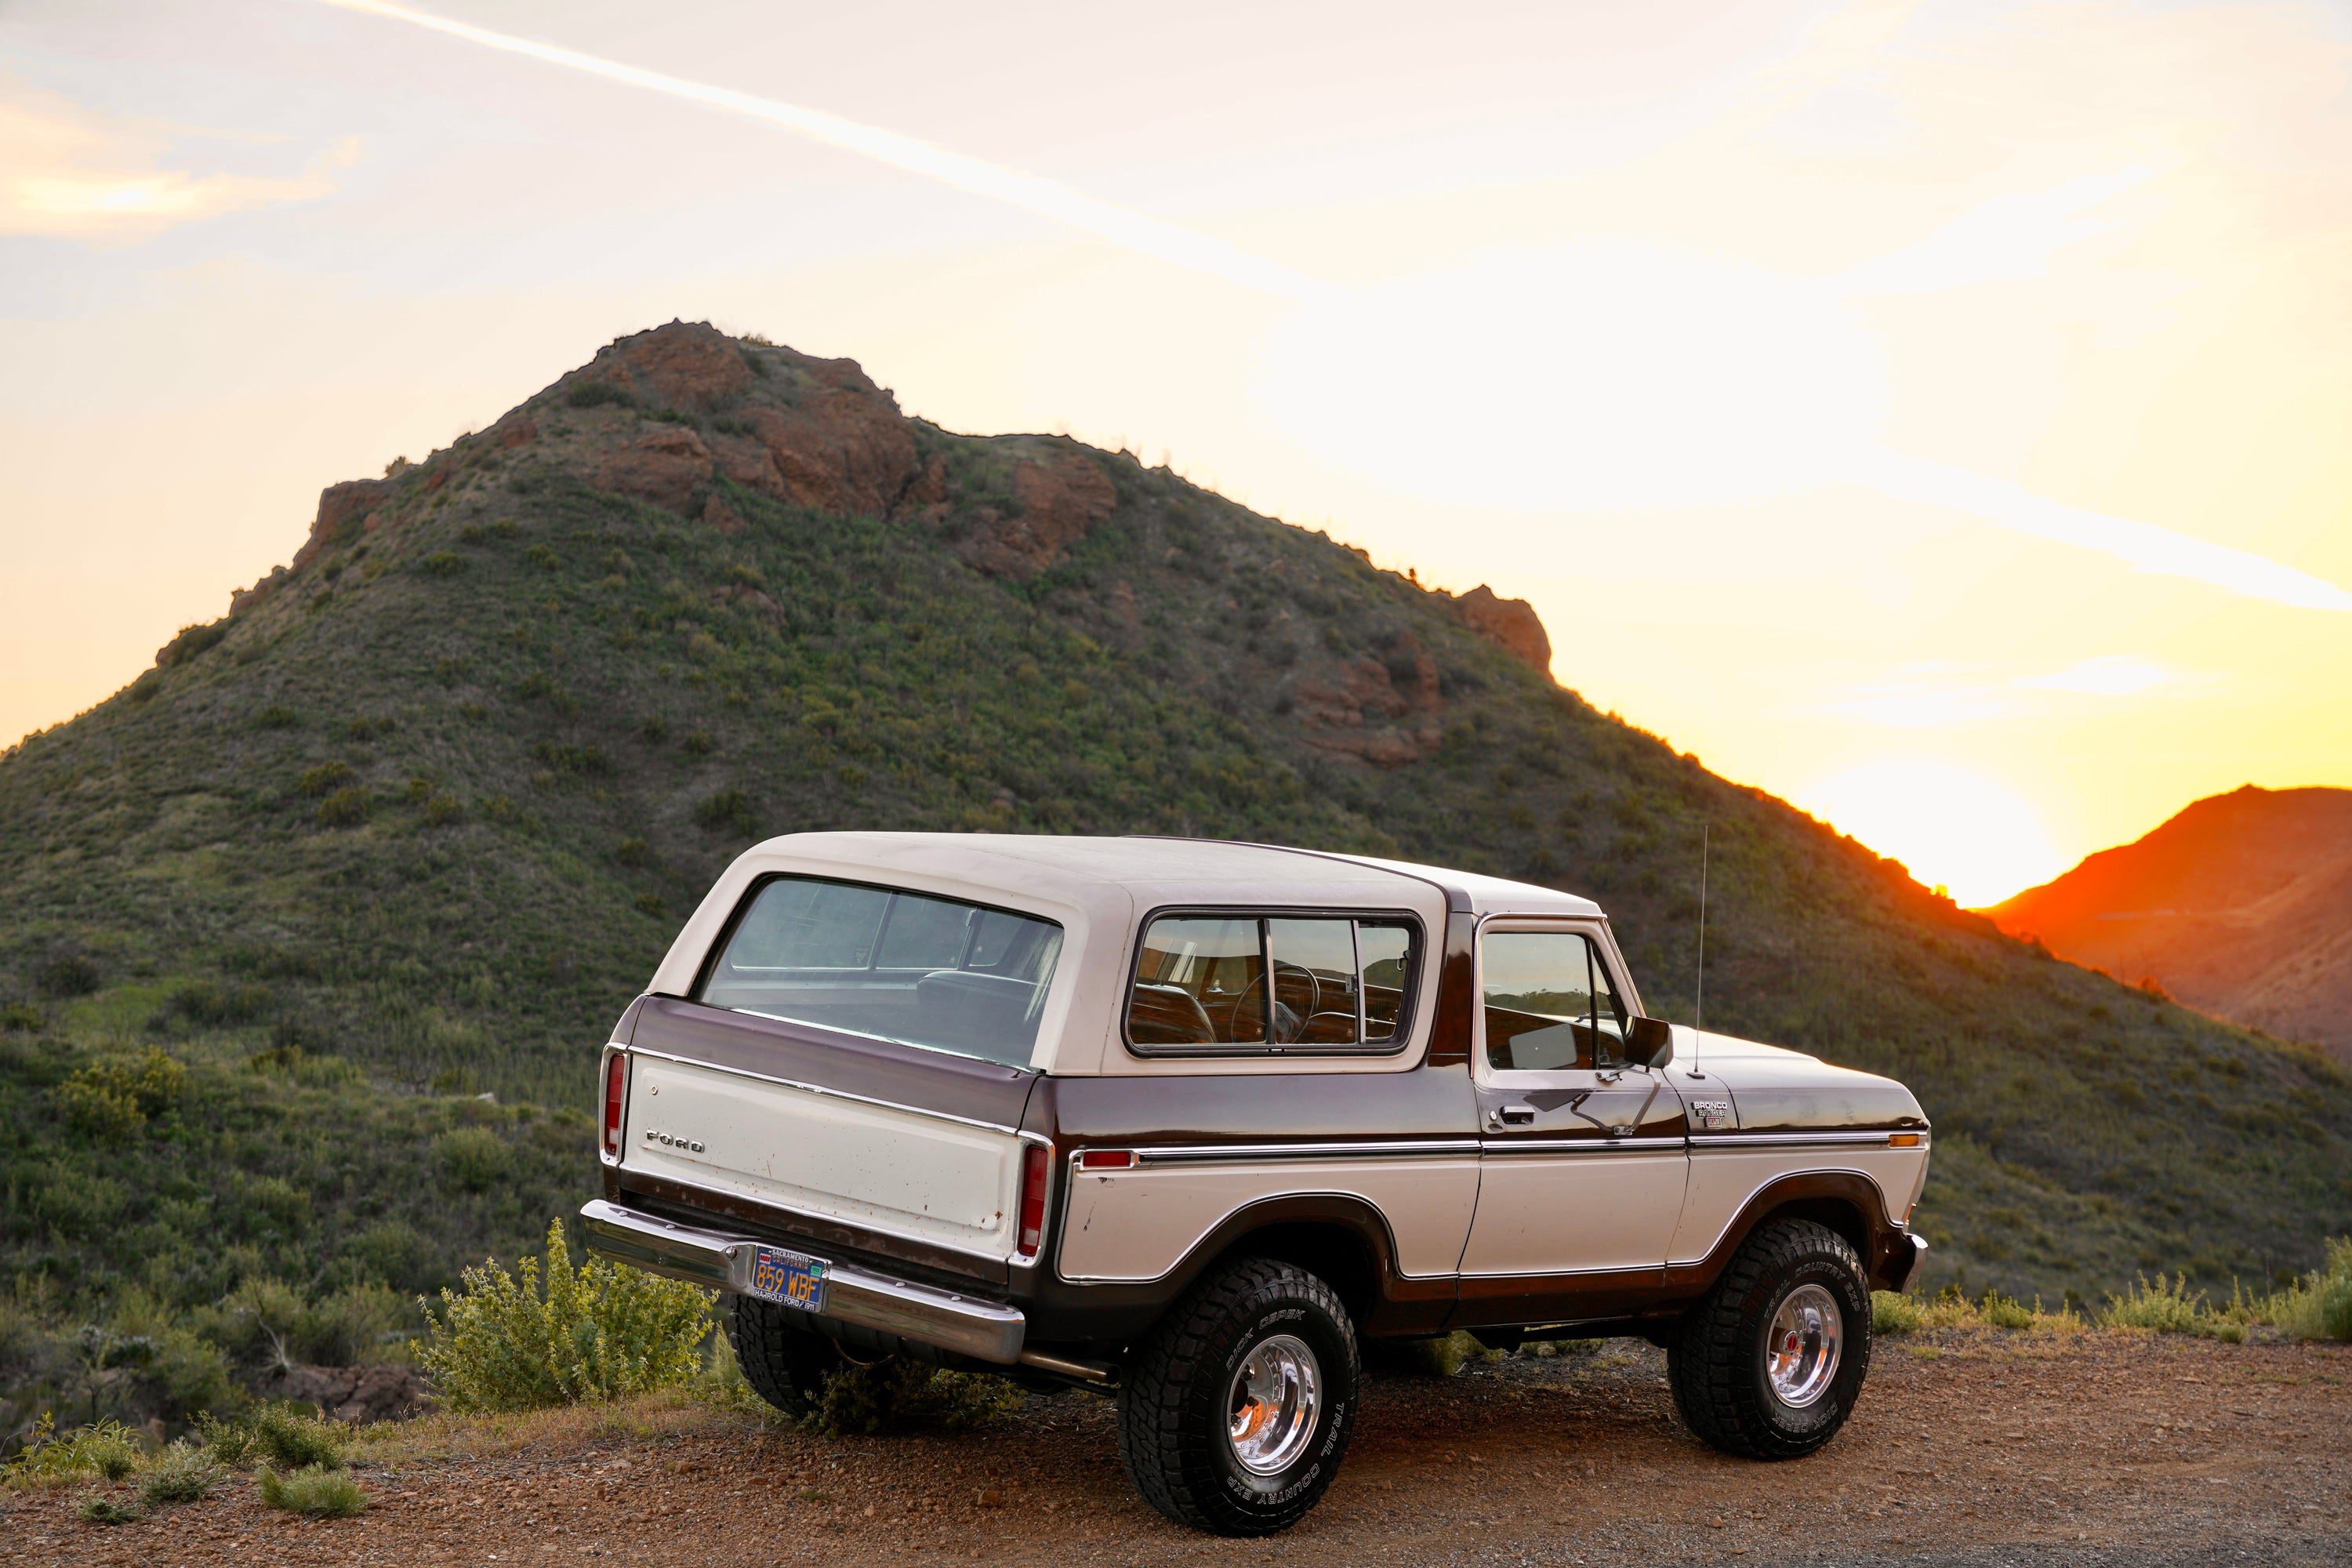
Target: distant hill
column 413, row 821
column 2241, row 905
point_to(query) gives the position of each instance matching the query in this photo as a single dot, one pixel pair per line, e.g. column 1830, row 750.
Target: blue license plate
column 789, row 1278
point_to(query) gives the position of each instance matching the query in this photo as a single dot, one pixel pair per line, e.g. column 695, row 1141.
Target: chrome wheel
column 1800, row 1353
column 1273, row 1404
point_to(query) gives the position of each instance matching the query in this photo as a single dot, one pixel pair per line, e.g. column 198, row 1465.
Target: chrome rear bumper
column 983, row 1330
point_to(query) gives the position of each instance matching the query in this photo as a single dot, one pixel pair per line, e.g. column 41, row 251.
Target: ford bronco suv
column 1192, row 1121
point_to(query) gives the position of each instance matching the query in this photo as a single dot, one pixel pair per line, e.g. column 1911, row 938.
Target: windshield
column 909, row 967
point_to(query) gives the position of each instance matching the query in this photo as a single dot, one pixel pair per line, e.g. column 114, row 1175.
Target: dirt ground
column 1979, row 1448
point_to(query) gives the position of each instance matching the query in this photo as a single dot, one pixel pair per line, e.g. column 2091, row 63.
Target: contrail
column 1130, row 230
column 2143, row 544
column 1997, row 502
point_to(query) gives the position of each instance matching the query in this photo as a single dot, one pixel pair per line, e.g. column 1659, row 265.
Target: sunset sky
column 1939, row 415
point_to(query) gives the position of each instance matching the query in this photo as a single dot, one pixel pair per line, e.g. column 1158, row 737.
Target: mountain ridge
column 2240, row 904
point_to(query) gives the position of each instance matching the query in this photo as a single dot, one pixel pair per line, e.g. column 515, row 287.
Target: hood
column 1773, row 1089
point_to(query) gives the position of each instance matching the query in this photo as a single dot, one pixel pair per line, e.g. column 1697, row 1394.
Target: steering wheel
column 1298, row 1019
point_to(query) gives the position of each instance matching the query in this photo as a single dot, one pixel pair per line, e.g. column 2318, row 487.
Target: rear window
column 912, row 968
column 1340, row 984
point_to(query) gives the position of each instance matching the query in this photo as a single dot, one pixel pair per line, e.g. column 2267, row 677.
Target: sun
column 1953, row 828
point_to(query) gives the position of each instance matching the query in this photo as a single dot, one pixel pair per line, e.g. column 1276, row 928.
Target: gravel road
column 1982, row 1450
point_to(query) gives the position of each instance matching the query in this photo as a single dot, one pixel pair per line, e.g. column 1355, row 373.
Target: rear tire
column 785, row 1364
column 1238, row 1407
column 1770, row 1360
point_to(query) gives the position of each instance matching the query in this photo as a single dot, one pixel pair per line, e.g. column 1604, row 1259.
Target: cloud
column 2009, row 236
column 2116, row 675
column 66, row 172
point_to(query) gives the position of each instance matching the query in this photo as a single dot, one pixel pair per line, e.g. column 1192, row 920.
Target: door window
column 1549, row 1005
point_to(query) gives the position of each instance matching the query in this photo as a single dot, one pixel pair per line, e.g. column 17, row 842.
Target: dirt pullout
column 2095, row 1449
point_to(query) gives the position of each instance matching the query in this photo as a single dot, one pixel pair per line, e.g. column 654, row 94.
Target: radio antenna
column 1698, row 1007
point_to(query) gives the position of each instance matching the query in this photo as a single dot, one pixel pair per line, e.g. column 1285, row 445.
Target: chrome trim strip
column 815, row 1218
column 832, row 1093
column 989, row 1330
column 1563, row 1273
column 1402, row 1149
column 1824, row 1139
column 1581, row 1146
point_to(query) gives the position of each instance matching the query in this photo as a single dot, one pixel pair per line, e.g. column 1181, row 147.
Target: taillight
column 616, row 1087
column 1035, row 1162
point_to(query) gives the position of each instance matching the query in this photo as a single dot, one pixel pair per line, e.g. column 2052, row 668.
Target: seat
column 1167, row 1015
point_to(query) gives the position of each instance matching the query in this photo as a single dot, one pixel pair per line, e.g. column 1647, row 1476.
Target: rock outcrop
column 1511, row 623
column 353, row 1394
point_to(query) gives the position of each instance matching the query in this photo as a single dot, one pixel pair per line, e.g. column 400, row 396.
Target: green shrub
column 277, row 716
column 475, row 1157
column 192, row 641
column 215, row 1005
column 322, row 779
column 99, row 1509
column 730, row 808
column 2319, row 1307
column 443, row 810
column 20, row 1017
column 112, row 1101
column 315, row 1493
column 2166, row 1306
column 70, row 975
column 445, row 563
column 284, row 1434
column 652, row 904
column 595, row 1333
column 899, row 1394
column 344, row 808
column 597, row 394
column 2001, row 1311
column 633, row 852
column 540, row 556
column 1893, row 1312
column 104, row 1449
column 698, row 743
column 180, row 1473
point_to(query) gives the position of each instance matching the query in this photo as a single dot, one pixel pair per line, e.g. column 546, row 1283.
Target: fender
column 1848, row 1201
column 1108, row 1316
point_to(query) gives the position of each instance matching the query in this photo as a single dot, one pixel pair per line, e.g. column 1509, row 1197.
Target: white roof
column 1099, row 889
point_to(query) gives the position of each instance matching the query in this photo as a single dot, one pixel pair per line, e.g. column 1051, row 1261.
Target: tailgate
column 913, row 1143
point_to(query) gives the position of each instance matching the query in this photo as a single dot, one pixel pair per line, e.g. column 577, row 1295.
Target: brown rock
column 1512, row 624
column 668, row 466
column 339, row 504
column 1061, row 497
column 684, row 365
column 353, row 1393
column 844, row 447
column 747, row 462
column 720, row 516
column 517, row 431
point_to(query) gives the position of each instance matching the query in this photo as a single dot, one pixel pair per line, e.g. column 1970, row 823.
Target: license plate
column 789, row 1278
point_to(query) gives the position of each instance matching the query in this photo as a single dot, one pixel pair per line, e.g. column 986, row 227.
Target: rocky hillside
column 2241, row 905
column 413, row 821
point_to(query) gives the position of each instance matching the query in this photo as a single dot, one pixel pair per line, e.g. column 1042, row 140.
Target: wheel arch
column 1847, row 1203
column 1339, row 1237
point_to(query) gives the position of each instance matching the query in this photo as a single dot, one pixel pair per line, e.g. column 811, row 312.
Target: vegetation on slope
column 416, row 821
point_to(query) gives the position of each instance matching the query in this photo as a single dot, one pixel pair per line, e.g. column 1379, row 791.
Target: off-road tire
column 1716, row 1366
column 1172, row 1415
column 785, row 1364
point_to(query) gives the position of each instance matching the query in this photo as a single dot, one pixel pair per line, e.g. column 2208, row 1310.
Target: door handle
column 1512, row 1116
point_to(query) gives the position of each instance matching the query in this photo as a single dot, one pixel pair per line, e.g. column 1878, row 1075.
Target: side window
column 1549, row 1005
column 1337, row 983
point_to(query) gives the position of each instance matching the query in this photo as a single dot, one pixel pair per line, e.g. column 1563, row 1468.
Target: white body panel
column 899, row 1170
column 1553, row 1214
column 1136, row 1225
column 1722, row 1180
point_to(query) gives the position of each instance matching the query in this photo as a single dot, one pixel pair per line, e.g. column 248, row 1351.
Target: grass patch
column 315, row 1493
column 180, row 1473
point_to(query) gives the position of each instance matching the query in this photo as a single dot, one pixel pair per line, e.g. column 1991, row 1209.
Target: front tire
column 1238, row 1407
column 785, row 1364
column 1770, row 1360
